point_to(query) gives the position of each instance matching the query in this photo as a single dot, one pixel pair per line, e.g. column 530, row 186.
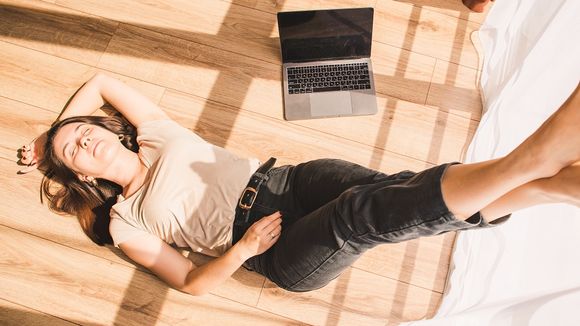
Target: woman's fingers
column 27, row 158
column 265, row 221
column 271, row 236
column 273, row 228
column 275, row 234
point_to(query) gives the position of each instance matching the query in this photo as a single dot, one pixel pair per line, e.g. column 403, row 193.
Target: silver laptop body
column 327, row 70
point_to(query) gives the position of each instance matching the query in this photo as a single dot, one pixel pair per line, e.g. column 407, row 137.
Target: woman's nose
column 85, row 140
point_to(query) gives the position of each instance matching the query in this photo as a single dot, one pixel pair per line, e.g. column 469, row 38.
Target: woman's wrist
column 242, row 251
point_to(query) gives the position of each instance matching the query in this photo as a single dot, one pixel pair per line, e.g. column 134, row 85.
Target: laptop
column 327, row 69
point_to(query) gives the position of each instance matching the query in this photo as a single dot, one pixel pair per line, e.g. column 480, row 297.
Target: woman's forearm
column 259, row 237
column 101, row 89
column 86, row 101
column 203, row 279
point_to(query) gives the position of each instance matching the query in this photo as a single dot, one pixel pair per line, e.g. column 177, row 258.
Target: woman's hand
column 31, row 155
column 261, row 235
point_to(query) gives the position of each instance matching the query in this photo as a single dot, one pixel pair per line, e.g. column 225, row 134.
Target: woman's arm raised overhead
column 101, row 89
column 97, row 91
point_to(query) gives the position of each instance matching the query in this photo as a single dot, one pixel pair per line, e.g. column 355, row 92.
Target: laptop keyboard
column 327, row 78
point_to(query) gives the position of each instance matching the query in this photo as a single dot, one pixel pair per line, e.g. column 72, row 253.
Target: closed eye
column 74, row 149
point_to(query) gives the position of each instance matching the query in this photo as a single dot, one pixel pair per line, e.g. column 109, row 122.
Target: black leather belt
column 251, row 192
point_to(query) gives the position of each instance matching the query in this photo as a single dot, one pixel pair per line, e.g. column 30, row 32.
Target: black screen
column 325, row 34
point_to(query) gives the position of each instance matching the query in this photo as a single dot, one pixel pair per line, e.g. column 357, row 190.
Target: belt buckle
column 248, row 206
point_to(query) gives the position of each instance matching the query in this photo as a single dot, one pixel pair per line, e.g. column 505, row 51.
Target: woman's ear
column 90, row 180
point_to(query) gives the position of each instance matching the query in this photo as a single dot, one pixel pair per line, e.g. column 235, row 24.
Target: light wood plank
column 39, row 79
column 422, row 262
column 12, row 314
column 56, row 30
column 90, row 290
column 220, row 24
column 51, row 80
column 452, row 8
column 424, row 31
column 400, row 73
column 20, row 123
column 354, row 298
column 456, row 88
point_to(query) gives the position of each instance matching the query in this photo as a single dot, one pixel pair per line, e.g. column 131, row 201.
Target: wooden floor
column 214, row 65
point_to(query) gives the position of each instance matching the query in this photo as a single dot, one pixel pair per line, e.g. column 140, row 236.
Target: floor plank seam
column 162, row 95
column 396, row 280
column 431, row 82
column 29, row 104
column 108, row 44
column 261, row 291
column 49, row 54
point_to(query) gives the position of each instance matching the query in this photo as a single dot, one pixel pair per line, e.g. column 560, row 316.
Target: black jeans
column 333, row 211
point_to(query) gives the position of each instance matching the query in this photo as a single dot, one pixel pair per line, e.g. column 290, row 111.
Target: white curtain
column 526, row 271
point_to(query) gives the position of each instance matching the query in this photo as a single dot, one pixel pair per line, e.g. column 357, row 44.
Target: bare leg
column 468, row 188
column 528, row 195
column 564, row 187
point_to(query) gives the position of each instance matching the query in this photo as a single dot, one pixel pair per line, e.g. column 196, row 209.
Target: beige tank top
column 190, row 192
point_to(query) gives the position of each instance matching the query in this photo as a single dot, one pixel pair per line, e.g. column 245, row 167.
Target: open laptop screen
column 325, row 34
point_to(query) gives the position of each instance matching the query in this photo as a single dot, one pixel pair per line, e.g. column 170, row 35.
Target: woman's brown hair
column 91, row 204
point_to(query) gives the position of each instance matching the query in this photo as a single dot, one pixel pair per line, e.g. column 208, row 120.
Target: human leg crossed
column 468, row 188
column 564, row 187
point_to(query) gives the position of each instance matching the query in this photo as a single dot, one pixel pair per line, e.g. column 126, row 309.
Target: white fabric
column 527, row 271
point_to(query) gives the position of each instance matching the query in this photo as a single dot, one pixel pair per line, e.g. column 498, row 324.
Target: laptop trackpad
column 330, row 104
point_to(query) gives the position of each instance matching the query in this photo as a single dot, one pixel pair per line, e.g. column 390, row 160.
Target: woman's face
column 86, row 149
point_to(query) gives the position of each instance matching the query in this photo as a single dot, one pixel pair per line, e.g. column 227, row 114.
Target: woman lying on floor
column 145, row 183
